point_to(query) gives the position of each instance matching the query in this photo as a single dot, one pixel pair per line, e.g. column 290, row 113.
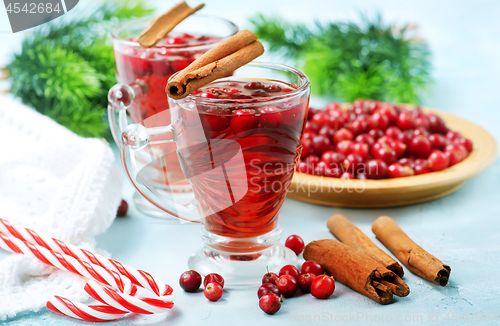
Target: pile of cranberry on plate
column 376, row 140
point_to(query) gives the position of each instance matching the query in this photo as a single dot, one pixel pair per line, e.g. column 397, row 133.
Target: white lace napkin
column 58, row 184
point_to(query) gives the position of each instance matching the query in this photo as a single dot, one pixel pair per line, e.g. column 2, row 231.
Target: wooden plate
column 401, row 191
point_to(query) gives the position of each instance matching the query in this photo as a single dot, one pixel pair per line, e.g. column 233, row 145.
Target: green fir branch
column 349, row 61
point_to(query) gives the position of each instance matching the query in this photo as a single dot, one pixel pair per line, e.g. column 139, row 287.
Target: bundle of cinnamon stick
column 358, row 263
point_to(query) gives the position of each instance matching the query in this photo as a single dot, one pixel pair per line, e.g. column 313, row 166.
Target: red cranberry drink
column 145, row 72
column 238, row 141
column 266, row 134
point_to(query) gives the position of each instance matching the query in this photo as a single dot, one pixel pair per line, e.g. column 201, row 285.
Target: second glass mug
column 239, row 177
column 147, row 72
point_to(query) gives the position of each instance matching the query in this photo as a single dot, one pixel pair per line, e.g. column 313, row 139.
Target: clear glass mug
column 144, row 73
column 239, row 171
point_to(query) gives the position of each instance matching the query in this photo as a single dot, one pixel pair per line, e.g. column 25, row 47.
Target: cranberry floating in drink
column 238, row 150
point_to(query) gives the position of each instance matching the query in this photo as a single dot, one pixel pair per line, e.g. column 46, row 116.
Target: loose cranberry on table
column 190, row 281
column 323, row 286
column 270, row 278
column 290, row 270
column 295, row 243
column 213, row 291
column 213, row 278
column 122, row 209
column 312, row 267
column 267, row 288
column 305, row 282
column 287, row 284
column 270, row 303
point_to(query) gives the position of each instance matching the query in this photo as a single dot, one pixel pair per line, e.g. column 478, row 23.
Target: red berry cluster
column 309, row 279
column 190, row 281
column 376, row 140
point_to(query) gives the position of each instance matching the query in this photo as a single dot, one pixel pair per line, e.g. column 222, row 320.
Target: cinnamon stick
column 350, row 235
column 162, row 25
column 409, row 253
column 218, row 62
column 356, row 270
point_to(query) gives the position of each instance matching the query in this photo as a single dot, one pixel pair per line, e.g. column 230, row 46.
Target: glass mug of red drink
column 146, row 73
column 238, row 142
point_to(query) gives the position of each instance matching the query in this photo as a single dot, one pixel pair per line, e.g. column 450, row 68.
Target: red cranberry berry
column 312, row 267
column 420, row 146
column 406, row 121
column 361, row 149
column 358, row 126
column 270, row 117
column 141, row 66
column 178, row 65
column 393, row 132
column 397, row 170
column 438, row 161
column 287, row 284
column 365, row 138
column 305, row 281
column 295, row 243
column 376, row 169
column 437, row 141
column 465, row 142
column 399, row 148
column 216, row 119
column 320, row 119
column 376, row 133
column 322, row 287
column 213, row 278
column 320, row 144
column 437, row 125
column 353, row 163
column 268, row 288
column 378, row 121
column 342, row 134
column 347, row 176
column 255, row 85
column 270, row 278
column 336, row 122
column 452, row 135
column 190, row 281
column 344, row 147
column 384, row 152
column 244, row 122
column 213, row 291
column 122, row 209
column 290, row 270
column 270, row 303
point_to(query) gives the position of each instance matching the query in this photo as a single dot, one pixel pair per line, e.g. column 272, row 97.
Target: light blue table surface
column 462, row 229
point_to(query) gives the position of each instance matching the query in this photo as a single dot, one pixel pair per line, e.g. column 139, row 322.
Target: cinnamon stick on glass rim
column 216, row 63
column 162, row 25
column 356, row 270
column 350, row 235
column 409, row 253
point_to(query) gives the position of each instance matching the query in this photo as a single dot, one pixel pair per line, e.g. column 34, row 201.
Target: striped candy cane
column 117, row 285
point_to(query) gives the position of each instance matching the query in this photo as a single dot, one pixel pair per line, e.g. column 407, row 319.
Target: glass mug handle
column 135, row 137
column 120, row 98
